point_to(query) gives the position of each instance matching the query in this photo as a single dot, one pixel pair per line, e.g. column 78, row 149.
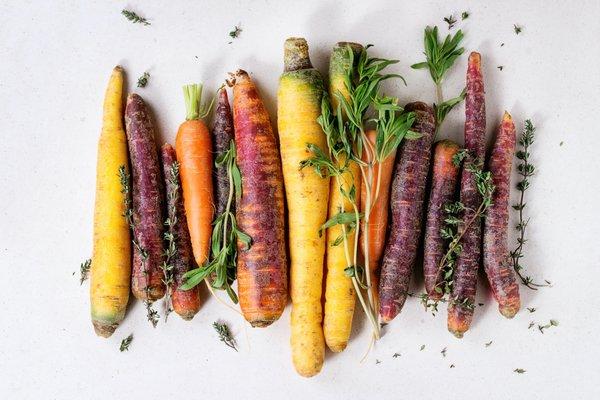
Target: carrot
column 443, row 189
column 377, row 226
column 261, row 269
column 194, row 153
column 185, row 303
column 339, row 290
column 222, row 133
column 148, row 194
column 298, row 107
column 407, row 197
column 460, row 309
column 111, row 261
column 496, row 256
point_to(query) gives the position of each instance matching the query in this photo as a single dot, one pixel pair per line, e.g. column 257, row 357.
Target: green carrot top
column 195, row 108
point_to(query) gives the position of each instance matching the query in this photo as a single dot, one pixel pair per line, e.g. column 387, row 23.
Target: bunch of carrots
column 353, row 166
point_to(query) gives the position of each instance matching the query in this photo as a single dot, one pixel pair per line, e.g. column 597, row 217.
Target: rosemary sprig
column 526, row 170
column 125, row 179
column 133, row 17
column 84, row 270
column 225, row 335
column 143, row 80
column 125, row 343
column 439, row 58
column 224, row 236
column 169, row 235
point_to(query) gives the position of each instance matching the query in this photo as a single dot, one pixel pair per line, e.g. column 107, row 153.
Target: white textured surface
column 55, row 61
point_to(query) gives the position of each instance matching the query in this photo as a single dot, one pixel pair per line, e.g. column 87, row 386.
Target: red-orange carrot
column 261, row 269
column 496, row 256
column 194, row 153
column 378, row 219
column 443, row 189
column 460, row 309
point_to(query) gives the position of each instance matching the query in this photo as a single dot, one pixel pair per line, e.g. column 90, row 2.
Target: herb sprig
column 169, row 236
column 125, row 179
column 134, row 17
column 526, row 170
column 225, row 335
column 125, row 343
column 84, row 270
column 143, row 80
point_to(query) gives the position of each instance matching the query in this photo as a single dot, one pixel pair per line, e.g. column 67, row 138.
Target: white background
column 55, row 59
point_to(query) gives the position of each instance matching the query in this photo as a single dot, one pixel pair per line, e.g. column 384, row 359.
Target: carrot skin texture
column 468, row 261
column 186, row 303
column 298, row 106
column 222, row 133
column 148, row 204
column 408, row 193
column 443, row 189
column 496, row 255
column 110, row 273
column 262, row 269
column 379, row 214
column 193, row 147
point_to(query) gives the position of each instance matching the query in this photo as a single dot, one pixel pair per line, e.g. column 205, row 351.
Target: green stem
column 192, row 95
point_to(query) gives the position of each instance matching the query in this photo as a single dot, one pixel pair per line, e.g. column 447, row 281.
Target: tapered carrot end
column 295, row 55
column 104, row 330
column 387, row 314
column 511, row 309
column 118, row 69
column 458, row 321
column 506, row 117
column 263, row 323
column 337, row 347
column 475, row 61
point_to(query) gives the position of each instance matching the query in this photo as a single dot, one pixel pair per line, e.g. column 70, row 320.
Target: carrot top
column 194, row 107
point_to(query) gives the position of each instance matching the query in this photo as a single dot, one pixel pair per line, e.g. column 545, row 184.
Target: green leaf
column 341, row 218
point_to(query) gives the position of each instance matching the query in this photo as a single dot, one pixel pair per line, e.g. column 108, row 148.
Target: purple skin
column 407, row 197
column 443, row 190
column 496, row 255
column 147, row 194
column 222, row 133
column 469, row 260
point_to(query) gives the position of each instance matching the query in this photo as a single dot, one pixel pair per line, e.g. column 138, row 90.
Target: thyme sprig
column 526, row 170
column 225, row 335
column 225, row 235
column 125, row 343
column 125, row 179
column 450, row 20
column 439, row 58
column 143, row 80
column 84, row 270
column 134, row 17
column 170, row 235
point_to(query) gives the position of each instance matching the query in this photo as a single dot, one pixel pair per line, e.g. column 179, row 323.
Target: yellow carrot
column 298, row 106
column 111, row 260
column 339, row 289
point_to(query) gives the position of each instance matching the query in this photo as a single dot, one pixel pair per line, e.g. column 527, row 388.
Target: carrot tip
column 262, row 323
column 457, row 334
column 508, row 311
column 104, row 330
column 475, row 60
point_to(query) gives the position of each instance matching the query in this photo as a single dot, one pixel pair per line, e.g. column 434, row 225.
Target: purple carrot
column 496, row 256
column 460, row 309
column 222, row 134
column 443, row 189
column 147, row 193
column 408, row 192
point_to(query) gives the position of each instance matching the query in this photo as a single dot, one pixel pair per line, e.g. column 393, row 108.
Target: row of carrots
column 212, row 208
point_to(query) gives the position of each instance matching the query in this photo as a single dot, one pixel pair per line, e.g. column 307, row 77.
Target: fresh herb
column 396, row 355
column 488, row 344
column 443, row 352
column 452, row 366
column 517, row 29
column 502, row 44
column 235, row 33
column 422, row 347
column 439, row 58
column 84, row 270
column 450, row 20
column 125, row 179
column 126, row 342
column 519, row 370
column 225, row 335
column 531, row 325
column 526, row 170
column 169, row 235
column 561, row 143
column 143, row 80
column 500, row 67
column 377, row 361
column 550, row 324
column 531, row 309
column 465, row 15
column 225, row 236
column 133, row 17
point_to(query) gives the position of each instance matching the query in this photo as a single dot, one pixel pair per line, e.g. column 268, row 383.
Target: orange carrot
column 377, row 226
column 193, row 147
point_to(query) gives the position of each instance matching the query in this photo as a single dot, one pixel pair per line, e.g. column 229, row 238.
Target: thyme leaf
column 84, row 270
column 143, row 80
column 125, row 343
column 225, row 335
column 134, row 17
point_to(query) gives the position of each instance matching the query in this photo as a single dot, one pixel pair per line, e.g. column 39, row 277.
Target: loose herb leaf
column 133, row 17
column 235, row 32
column 531, row 309
column 396, row 355
column 519, row 370
column 125, row 343
column 422, row 347
column 500, row 67
column 450, row 20
column 225, row 335
column 488, row 344
column 143, row 80
column 465, row 15
column 517, row 29
column 84, row 270
column 443, row 352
